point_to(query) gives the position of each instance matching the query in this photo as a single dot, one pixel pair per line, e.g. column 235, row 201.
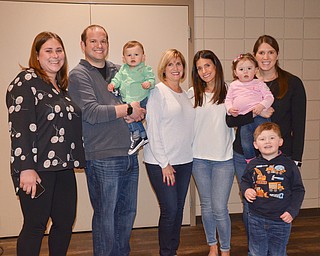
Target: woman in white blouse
column 168, row 156
column 212, row 149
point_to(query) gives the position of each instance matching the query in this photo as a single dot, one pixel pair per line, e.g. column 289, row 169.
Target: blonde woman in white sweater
column 168, row 156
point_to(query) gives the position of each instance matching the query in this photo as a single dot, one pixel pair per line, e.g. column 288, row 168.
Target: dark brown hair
column 282, row 74
column 62, row 74
column 243, row 56
column 84, row 33
column 220, row 90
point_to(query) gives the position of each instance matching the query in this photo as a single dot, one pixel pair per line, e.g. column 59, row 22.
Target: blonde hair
column 165, row 59
column 132, row 44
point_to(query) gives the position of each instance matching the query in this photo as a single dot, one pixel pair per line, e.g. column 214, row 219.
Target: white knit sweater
column 170, row 122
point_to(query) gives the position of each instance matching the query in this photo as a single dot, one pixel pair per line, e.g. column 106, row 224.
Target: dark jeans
column 58, row 202
column 171, row 201
column 246, row 133
column 136, row 128
column 113, row 187
column 268, row 237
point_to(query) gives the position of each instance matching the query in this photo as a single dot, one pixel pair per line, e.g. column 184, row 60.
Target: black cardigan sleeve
column 298, row 103
column 240, row 120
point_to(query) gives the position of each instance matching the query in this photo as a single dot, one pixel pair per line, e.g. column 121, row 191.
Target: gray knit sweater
column 104, row 134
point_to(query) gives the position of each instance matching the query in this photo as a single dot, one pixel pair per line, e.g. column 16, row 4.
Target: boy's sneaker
column 136, row 145
column 116, row 92
column 146, row 141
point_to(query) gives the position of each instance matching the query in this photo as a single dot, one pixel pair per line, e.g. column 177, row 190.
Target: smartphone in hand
column 39, row 191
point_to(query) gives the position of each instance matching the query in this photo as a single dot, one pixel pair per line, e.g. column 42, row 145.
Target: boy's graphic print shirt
column 278, row 185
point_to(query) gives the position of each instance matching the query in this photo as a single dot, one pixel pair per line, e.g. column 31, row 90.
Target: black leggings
column 57, row 202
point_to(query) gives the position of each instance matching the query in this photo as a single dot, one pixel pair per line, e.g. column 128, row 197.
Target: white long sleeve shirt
column 170, row 122
column 212, row 137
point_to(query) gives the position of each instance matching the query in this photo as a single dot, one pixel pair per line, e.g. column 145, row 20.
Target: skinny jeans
column 171, row 201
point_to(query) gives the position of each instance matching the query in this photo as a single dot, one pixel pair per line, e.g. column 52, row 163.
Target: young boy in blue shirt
column 273, row 187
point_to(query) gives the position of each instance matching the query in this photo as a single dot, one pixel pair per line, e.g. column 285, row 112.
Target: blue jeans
column 113, row 185
column 240, row 166
column 136, row 128
column 268, row 237
column 171, row 201
column 214, row 181
column 246, row 134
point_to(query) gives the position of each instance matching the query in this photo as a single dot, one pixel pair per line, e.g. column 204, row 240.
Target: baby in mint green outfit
column 134, row 82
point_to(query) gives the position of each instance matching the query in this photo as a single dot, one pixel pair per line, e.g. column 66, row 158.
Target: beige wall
column 69, row 21
column 230, row 27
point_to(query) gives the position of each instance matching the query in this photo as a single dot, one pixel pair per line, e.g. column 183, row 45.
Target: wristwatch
column 129, row 110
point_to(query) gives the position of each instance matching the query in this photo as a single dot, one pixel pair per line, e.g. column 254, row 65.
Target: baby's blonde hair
column 131, row 44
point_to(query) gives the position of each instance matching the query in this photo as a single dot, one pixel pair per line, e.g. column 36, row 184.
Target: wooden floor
column 304, row 240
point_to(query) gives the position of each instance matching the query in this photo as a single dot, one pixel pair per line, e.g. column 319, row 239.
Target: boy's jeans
column 136, row 128
column 267, row 237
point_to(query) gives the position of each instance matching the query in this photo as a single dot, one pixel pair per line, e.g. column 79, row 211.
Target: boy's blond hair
column 266, row 127
column 132, row 44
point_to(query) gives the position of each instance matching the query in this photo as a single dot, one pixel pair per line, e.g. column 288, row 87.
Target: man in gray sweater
column 112, row 175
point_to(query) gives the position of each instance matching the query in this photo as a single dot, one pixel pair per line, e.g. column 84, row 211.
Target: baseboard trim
column 309, row 212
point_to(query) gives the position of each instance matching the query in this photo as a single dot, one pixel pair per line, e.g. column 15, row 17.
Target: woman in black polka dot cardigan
column 46, row 145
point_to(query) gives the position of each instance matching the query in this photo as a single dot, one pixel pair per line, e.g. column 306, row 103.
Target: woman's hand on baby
column 257, row 109
column 234, row 112
column 267, row 113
